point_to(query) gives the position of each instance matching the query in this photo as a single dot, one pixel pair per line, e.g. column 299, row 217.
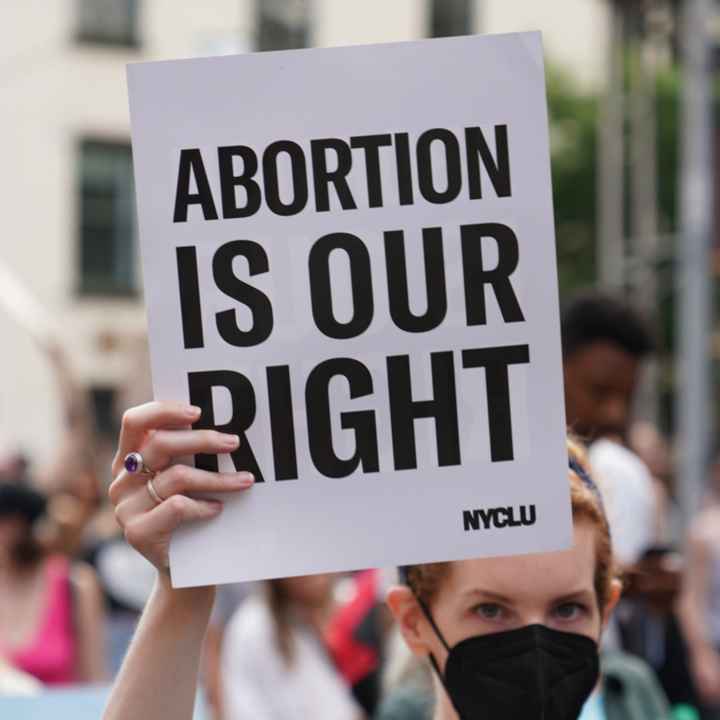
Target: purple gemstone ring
column 135, row 465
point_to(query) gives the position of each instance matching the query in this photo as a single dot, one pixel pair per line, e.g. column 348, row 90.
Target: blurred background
column 614, row 72
column 633, row 87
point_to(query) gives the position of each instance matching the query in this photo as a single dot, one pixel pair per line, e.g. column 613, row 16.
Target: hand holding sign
column 359, row 280
column 155, row 431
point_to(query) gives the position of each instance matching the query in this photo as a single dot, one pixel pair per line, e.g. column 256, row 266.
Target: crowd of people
column 624, row 626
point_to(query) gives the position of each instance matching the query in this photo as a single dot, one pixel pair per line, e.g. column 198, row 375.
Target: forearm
column 695, row 632
column 692, row 606
column 158, row 678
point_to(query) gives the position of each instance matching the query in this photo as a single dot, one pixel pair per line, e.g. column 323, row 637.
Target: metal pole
column 610, row 238
column 693, row 390
column 643, row 193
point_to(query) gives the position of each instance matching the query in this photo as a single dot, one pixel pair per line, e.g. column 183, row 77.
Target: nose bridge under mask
column 532, row 672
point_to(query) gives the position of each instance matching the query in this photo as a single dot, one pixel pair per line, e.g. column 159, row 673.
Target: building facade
column 68, row 207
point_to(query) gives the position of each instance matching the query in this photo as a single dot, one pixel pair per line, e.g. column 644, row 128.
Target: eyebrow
column 578, row 595
column 497, row 597
column 487, row 594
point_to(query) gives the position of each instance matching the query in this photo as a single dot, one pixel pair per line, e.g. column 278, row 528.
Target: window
column 107, row 219
column 102, row 401
column 108, row 22
column 282, row 24
column 451, row 17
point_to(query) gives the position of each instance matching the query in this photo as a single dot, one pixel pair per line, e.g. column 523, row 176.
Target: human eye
column 570, row 611
column 489, row 611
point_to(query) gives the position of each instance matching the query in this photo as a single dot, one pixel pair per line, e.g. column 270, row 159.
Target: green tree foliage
column 573, row 127
column 573, row 143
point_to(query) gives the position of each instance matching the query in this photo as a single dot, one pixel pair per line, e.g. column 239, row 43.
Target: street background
column 633, row 88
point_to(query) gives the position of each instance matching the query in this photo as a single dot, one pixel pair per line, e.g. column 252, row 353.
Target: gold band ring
column 154, row 494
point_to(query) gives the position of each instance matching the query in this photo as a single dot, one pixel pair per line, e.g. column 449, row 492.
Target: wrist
column 191, row 598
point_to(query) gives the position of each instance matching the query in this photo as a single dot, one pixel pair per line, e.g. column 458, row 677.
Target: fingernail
column 215, row 505
column 240, row 481
column 194, row 411
column 231, row 441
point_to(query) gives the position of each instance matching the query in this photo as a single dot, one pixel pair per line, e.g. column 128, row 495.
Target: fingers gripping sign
column 153, row 494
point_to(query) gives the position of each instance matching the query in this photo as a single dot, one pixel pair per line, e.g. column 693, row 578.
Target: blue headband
column 587, row 481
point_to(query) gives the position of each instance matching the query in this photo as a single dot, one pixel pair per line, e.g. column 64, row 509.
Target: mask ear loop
column 428, row 616
column 436, row 667
column 433, row 624
column 425, row 609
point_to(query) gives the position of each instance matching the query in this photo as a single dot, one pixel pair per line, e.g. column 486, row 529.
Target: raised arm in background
column 703, row 549
column 158, row 679
column 75, row 452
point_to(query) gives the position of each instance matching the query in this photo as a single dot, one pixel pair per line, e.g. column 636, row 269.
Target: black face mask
column 533, row 673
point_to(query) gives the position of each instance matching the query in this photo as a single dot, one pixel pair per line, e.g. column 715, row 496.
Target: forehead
column 603, row 359
column 527, row 578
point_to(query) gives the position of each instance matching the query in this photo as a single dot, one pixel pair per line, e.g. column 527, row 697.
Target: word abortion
column 331, row 161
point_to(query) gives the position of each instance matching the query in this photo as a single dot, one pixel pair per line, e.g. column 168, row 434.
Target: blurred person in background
column 651, row 626
column 699, row 602
column 50, row 609
column 228, row 599
column 70, row 480
column 67, row 472
column 604, row 342
column 358, row 632
column 275, row 664
column 652, row 447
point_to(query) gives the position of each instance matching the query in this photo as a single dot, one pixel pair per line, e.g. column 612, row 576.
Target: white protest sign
column 349, row 261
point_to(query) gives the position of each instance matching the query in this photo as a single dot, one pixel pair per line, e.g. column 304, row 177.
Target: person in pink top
column 50, row 609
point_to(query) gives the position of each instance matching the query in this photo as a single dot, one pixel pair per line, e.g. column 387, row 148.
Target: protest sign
column 349, row 261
